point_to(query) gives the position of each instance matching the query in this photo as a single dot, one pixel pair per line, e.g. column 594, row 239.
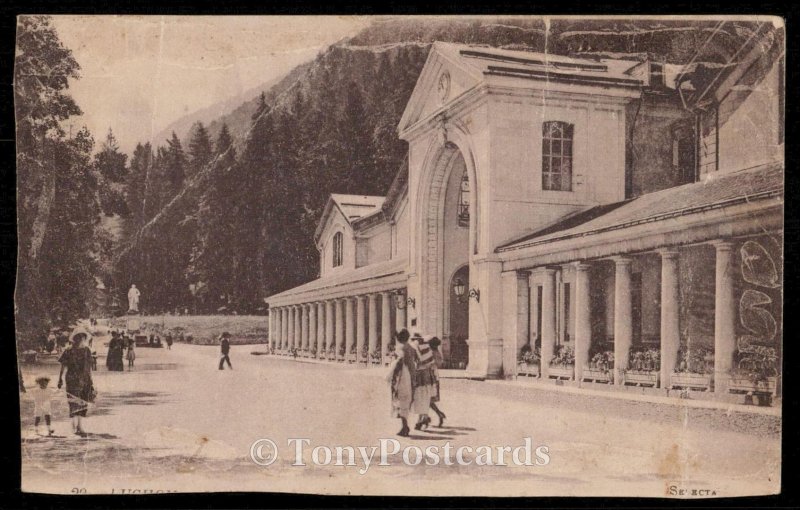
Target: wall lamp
column 459, row 289
column 401, row 301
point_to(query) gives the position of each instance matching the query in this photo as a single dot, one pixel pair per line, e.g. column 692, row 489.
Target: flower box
column 744, row 384
column 640, row 377
column 690, row 381
column 597, row 375
column 562, row 371
column 528, row 369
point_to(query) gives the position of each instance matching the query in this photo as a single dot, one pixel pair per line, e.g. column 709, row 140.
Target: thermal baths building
column 564, row 206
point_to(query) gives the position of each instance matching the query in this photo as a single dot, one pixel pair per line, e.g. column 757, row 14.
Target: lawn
column 205, row 329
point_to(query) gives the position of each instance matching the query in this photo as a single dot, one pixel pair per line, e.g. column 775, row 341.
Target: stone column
column 304, row 327
column 623, row 320
column 372, row 312
column 349, row 330
column 548, row 319
column 670, row 318
column 386, row 322
column 361, row 337
column 270, row 328
column 330, row 339
column 583, row 319
column 339, row 325
column 312, row 327
column 724, row 316
column 292, row 324
column 533, row 308
column 284, row 328
column 298, row 327
column 320, row 328
column 400, row 317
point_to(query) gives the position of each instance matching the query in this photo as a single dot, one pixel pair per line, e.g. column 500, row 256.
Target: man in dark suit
column 225, row 349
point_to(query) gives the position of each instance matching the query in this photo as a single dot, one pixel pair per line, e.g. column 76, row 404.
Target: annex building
column 598, row 221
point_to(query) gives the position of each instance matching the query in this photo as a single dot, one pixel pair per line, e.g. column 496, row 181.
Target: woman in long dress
column 401, row 379
column 114, row 355
column 423, row 381
column 77, row 362
column 438, row 363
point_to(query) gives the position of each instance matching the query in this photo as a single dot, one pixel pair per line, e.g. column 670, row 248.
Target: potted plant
column 757, row 372
column 600, row 367
column 528, row 361
column 332, row 352
column 644, row 366
column 375, row 356
column 694, row 369
column 364, row 354
column 562, row 365
column 340, row 355
column 351, row 354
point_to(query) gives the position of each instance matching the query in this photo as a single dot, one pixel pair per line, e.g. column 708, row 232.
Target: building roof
column 376, row 277
column 723, row 190
column 489, row 60
column 354, row 207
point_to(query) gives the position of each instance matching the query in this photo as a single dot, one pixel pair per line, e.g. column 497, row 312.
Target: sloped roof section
column 354, row 207
column 723, row 190
column 379, row 276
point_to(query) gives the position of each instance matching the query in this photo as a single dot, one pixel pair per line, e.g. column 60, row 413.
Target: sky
column 140, row 73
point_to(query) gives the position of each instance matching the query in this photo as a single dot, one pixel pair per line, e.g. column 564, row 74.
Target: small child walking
column 42, row 396
column 131, row 356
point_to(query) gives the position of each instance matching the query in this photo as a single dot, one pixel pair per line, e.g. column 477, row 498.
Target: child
column 41, row 401
column 131, row 355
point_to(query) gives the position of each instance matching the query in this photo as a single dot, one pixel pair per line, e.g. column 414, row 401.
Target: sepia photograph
column 509, row 256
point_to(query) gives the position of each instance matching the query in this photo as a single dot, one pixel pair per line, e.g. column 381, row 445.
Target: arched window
column 338, row 249
column 557, row 156
column 463, row 201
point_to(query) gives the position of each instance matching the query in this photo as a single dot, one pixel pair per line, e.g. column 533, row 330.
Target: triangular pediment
column 444, row 77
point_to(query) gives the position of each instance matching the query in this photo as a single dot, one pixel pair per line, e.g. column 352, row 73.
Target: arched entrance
column 447, row 233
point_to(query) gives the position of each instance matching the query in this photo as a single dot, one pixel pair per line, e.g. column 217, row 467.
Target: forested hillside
column 215, row 223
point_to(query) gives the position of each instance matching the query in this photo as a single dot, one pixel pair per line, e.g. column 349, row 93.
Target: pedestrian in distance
column 225, row 349
column 169, row 341
column 438, row 363
column 131, row 355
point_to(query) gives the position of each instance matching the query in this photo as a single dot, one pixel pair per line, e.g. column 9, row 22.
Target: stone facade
column 574, row 271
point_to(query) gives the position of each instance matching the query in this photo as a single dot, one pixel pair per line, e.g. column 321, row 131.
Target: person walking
column 423, row 381
column 225, row 349
column 131, row 355
column 169, row 341
column 77, row 362
column 438, row 362
column 114, row 354
column 401, row 380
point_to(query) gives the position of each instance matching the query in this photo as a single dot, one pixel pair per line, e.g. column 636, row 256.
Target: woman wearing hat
column 77, row 362
column 401, row 380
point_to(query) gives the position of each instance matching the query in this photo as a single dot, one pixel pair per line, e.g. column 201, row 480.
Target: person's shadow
column 428, row 437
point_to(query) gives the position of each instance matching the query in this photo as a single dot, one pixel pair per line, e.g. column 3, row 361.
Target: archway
column 447, row 232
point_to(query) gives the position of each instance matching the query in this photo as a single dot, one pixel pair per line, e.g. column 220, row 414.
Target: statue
column 133, row 299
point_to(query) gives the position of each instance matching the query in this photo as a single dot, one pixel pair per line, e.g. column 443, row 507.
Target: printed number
column 79, row 490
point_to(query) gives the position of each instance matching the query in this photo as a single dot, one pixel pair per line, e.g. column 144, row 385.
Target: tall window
column 708, row 149
column 463, row 201
column 337, row 249
column 557, row 156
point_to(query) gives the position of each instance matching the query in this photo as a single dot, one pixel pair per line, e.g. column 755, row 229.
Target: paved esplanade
column 178, row 423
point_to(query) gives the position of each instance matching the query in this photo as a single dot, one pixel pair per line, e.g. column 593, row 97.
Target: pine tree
column 200, row 150
column 175, row 164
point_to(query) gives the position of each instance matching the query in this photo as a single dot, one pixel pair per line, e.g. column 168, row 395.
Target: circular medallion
column 444, row 86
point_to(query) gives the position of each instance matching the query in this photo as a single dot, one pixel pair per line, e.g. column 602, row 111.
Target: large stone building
column 553, row 206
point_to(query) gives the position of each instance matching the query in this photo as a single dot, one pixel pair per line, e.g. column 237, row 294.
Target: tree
column 110, row 162
column 200, row 150
column 55, row 186
column 174, row 164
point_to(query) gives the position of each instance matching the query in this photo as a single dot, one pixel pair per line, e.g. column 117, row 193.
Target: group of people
column 414, row 380
column 121, row 346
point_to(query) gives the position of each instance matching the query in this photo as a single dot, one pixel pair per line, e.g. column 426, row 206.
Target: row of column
column 343, row 322
column 724, row 315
